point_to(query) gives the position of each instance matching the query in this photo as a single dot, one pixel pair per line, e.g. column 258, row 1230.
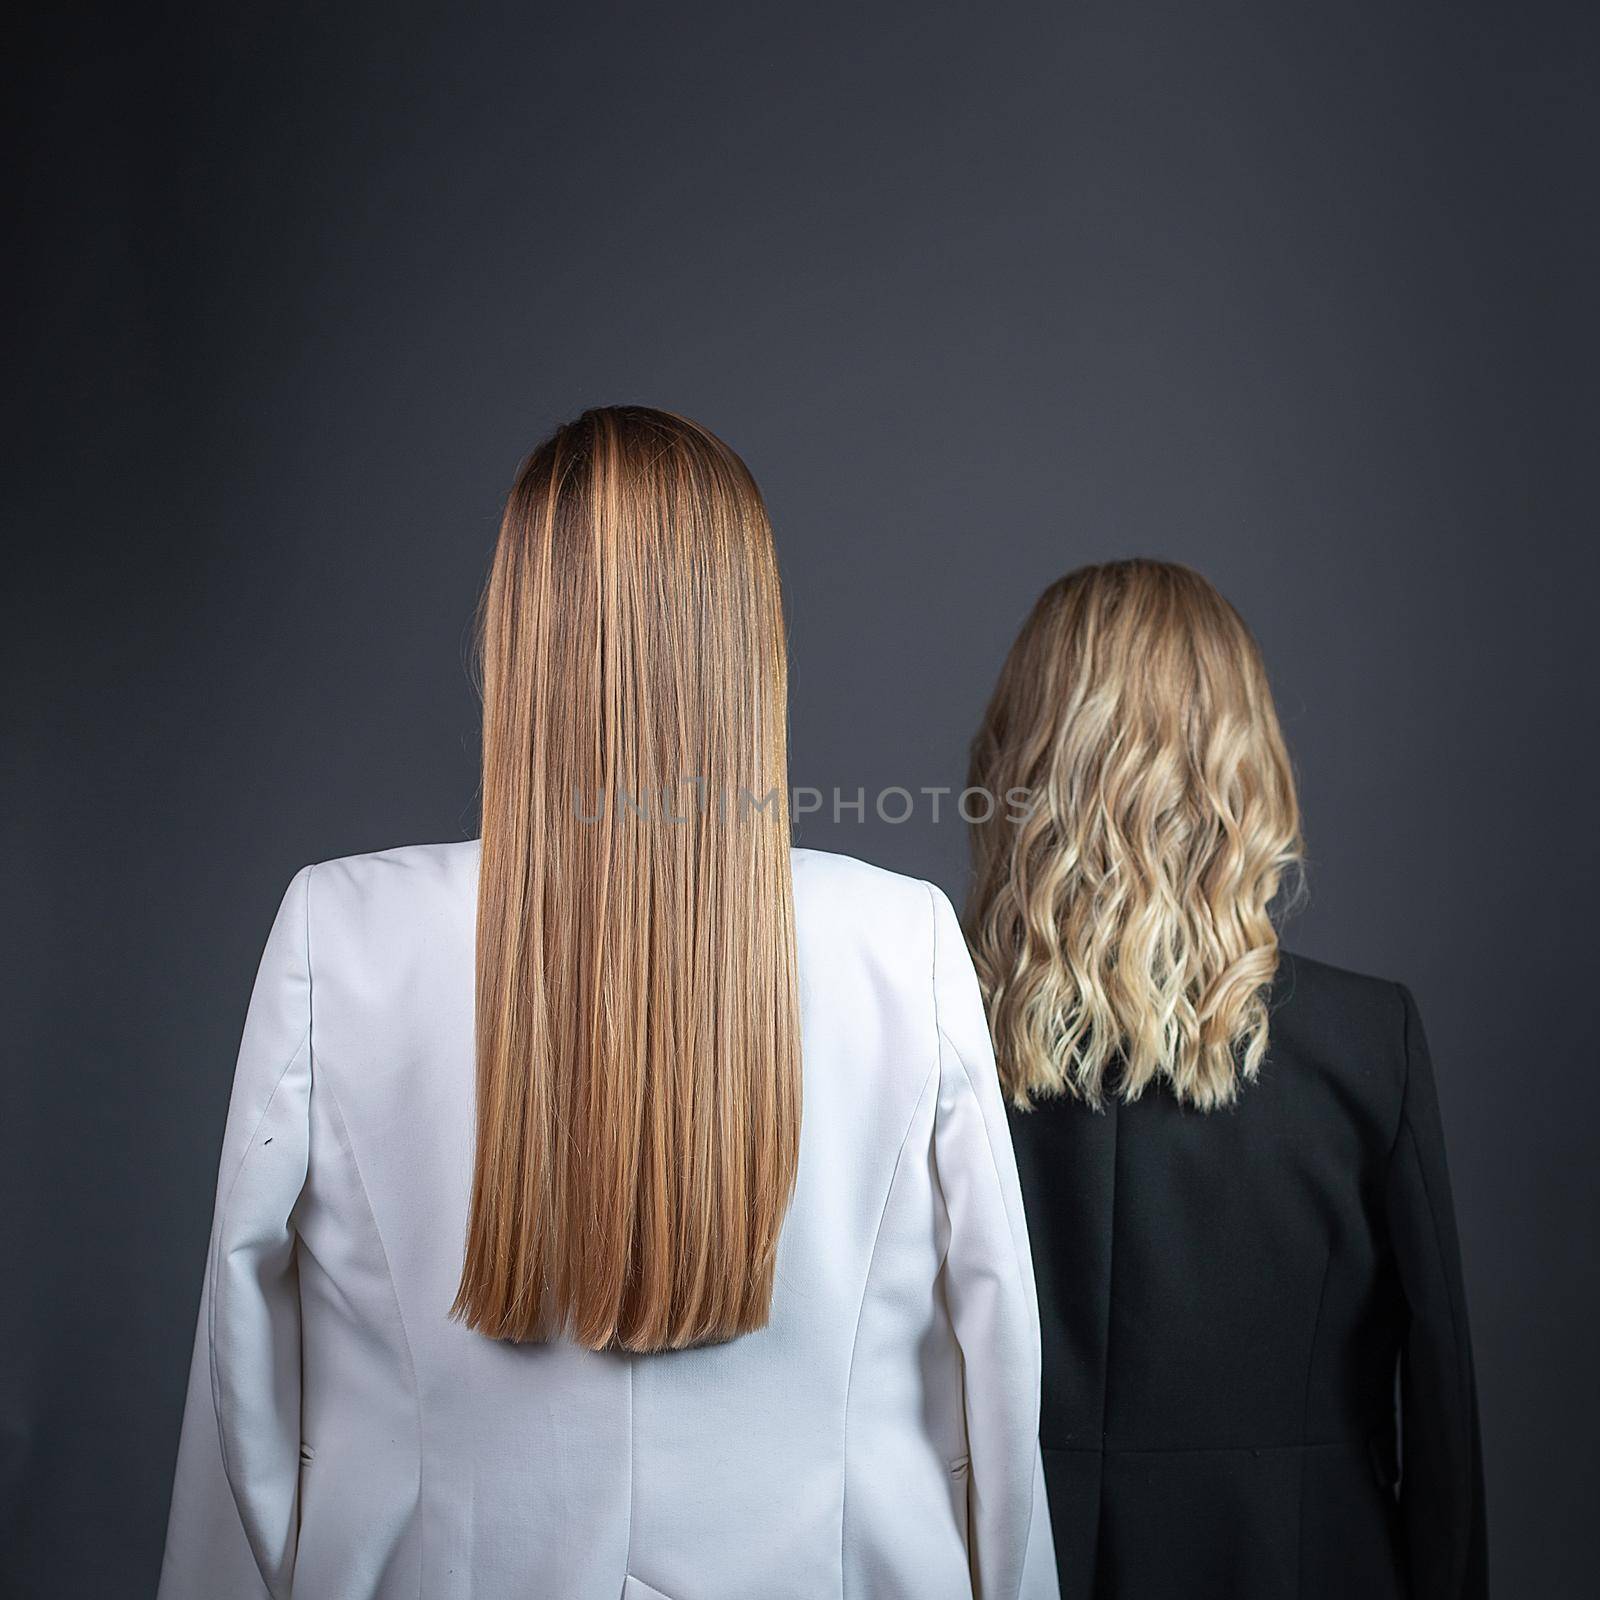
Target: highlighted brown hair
column 638, row 1054
column 1121, row 930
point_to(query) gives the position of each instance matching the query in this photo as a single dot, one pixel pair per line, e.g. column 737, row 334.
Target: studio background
column 1303, row 296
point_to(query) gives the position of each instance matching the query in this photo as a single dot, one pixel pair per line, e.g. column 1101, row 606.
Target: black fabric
column 1227, row 1302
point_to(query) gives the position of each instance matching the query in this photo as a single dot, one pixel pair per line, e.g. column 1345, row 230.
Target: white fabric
column 345, row 1440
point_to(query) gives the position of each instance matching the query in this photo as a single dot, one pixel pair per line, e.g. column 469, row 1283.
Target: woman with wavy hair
column 619, row 1207
column 1231, row 1156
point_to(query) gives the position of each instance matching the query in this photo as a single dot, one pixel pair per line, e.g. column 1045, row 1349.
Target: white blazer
column 345, row 1440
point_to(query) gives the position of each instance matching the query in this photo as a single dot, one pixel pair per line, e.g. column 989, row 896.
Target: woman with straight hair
column 621, row 1208
column 1232, row 1156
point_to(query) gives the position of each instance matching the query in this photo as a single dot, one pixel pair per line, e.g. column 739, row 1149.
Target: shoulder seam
column 220, row 1228
column 1404, row 996
column 941, row 1040
column 394, row 1295
column 866, row 1282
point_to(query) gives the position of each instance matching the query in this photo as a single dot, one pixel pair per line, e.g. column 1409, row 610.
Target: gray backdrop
column 1301, row 295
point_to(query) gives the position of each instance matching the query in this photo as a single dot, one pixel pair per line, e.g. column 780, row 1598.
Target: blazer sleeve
column 1441, row 1485
column 231, row 1533
column 989, row 1288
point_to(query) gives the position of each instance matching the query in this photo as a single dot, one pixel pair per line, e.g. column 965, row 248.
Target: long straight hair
column 1122, row 930
column 638, row 1037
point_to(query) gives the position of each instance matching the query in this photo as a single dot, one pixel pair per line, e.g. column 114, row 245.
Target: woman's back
column 1225, row 1299
column 346, row 1438
column 1233, row 1164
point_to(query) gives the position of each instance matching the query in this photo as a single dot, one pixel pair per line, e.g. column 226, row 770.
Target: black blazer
column 1227, row 1301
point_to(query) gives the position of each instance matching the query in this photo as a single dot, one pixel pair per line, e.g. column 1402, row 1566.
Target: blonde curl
column 1122, row 929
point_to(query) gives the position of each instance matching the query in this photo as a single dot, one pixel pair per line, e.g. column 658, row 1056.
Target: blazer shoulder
column 393, row 874
column 380, row 900
column 851, row 910
column 1302, row 976
column 1340, row 1017
column 856, row 888
column 419, row 861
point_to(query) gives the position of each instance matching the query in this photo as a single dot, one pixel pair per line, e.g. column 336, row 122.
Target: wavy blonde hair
column 1121, row 928
column 638, row 1014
